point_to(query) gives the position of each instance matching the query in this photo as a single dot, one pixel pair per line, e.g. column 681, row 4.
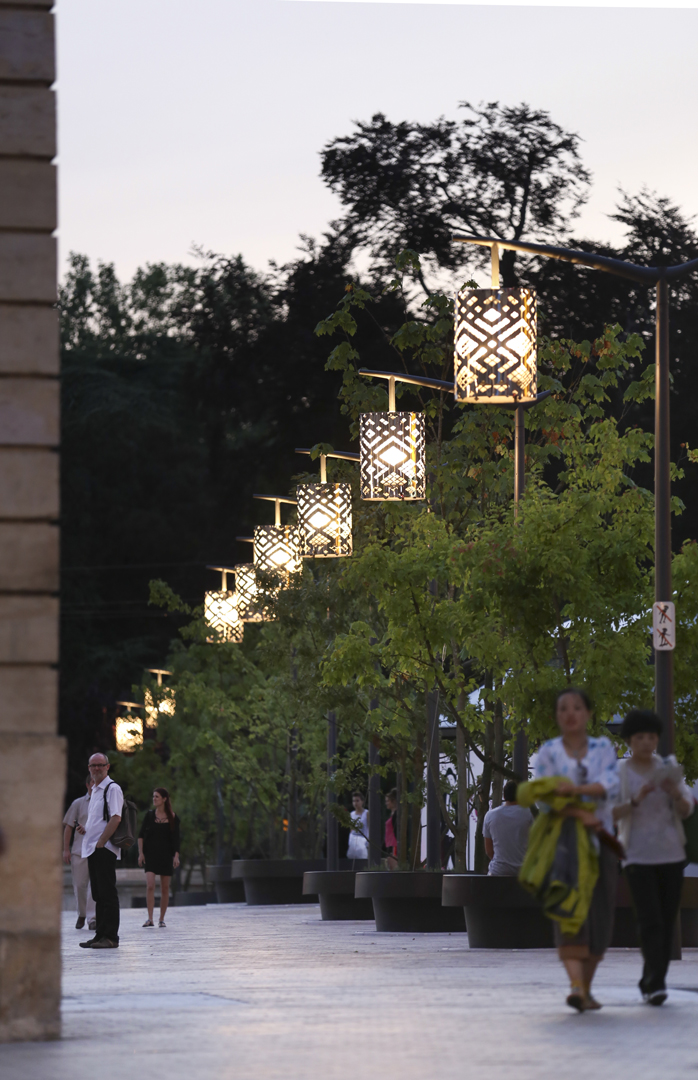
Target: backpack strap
column 106, row 808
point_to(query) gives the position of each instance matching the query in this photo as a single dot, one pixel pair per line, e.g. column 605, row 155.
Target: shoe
column 656, row 997
column 92, row 924
column 149, row 922
column 162, row 922
column 106, row 943
column 80, row 923
column 576, row 998
column 590, row 1003
column 89, row 944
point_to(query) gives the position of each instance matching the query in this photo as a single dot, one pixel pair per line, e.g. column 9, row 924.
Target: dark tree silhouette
column 510, row 172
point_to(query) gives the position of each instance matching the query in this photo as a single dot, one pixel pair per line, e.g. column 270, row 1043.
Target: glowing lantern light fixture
column 166, row 705
column 221, row 610
column 392, row 445
column 276, row 546
column 324, row 514
column 496, row 343
column 249, row 608
column 128, row 729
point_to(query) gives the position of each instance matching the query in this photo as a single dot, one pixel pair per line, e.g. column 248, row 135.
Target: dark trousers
column 656, row 893
column 102, row 866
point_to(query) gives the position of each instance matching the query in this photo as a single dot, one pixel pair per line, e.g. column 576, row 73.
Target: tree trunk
column 483, row 802
column 498, row 731
column 416, row 815
column 460, row 853
column 402, row 815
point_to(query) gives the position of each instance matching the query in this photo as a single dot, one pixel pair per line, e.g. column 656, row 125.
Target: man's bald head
column 98, row 766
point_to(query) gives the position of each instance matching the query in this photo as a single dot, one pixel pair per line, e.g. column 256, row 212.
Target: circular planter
column 275, row 881
column 499, row 914
column 409, row 902
column 625, row 928
column 336, row 891
column 227, row 890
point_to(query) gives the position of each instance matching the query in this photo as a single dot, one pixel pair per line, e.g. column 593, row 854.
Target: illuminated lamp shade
column 495, row 346
column 393, row 465
column 324, row 520
column 276, row 550
column 249, row 606
column 128, row 730
column 221, row 614
column 152, row 711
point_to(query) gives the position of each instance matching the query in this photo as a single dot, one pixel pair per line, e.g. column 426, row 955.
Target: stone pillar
column 32, row 757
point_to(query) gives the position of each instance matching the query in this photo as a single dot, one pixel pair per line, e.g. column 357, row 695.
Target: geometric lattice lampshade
column 166, row 706
column 392, row 448
column 221, row 614
column 276, row 550
column 248, row 602
column 324, row 520
column 128, row 730
column 495, row 345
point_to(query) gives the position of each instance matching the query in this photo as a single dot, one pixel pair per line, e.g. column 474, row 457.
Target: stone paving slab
column 267, row 993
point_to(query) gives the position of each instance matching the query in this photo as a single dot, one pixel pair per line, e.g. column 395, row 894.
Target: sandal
column 161, row 923
column 576, row 998
column 149, row 922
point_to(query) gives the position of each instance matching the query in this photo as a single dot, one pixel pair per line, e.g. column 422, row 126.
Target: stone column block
column 28, row 484
column 28, row 699
column 28, row 557
column 27, row 50
column 30, row 886
column 28, row 121
column 27, row 267
column 28, row 340
column 28, row 629
column 27, row 194
column 29, row 412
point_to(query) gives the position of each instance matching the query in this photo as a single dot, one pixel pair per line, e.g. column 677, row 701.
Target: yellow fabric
column 564, row 898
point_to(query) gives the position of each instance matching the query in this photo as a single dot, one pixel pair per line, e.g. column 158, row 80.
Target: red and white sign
column 663, row 625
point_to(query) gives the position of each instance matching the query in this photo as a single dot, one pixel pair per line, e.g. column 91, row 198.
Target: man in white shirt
column 104, row 815
column 505, row 830
column 75, row 820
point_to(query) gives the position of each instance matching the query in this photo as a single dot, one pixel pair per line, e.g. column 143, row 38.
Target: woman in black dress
column 158, row 851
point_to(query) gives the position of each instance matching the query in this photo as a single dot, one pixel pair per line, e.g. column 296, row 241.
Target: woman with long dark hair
column 158, row 851
column 588, row 768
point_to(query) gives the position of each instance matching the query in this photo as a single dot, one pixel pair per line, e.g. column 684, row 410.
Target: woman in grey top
column 654, row 798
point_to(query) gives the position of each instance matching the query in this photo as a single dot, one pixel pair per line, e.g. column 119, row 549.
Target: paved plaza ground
column 264, row 993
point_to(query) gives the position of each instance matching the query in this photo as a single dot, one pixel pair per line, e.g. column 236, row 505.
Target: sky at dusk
column 199, row 122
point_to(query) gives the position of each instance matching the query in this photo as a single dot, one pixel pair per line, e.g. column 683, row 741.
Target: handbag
column 690, row 828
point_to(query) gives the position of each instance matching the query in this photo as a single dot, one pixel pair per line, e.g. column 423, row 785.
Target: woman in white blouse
column 654, row 798
column 590, row 766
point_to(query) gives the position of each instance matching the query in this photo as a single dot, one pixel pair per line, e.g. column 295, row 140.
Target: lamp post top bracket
column 644, row 275
column 342, row 455
column 414, row 380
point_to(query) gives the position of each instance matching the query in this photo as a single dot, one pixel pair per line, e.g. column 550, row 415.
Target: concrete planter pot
column 275, row 881
column 499, row 914
column 336, row 891
column 625, row 928
column 409, row 902
column 227, row 890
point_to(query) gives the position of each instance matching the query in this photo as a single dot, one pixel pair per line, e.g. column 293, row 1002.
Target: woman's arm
column 566, row 787
column 141, row 856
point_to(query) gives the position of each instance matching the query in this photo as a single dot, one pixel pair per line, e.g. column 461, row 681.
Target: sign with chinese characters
column 663, row 625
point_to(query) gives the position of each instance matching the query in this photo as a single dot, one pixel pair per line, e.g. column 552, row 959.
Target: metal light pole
column 433, row 810
column 332, row 824
column 328, row 520
column 659, row 277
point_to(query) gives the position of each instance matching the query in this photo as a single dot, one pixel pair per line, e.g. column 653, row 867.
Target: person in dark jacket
column 158, row 851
